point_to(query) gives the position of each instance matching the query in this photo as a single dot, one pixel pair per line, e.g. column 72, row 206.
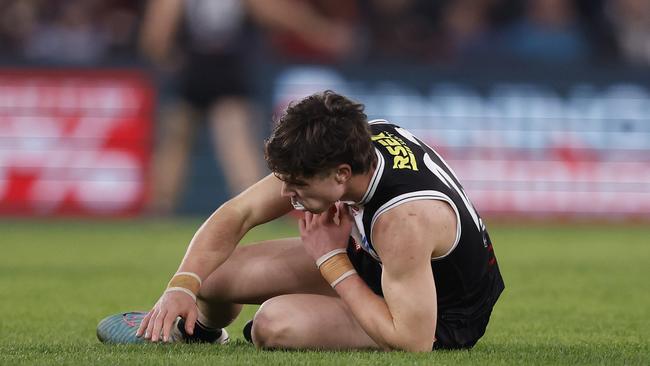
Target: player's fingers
column 344, row 212
column 192, row 316
column 316, row 219
column 308, row 219
column 152, row 320
column 157, row 326
column 301, row 225
column 143, row 324
column 328, row 216
column 168, row 323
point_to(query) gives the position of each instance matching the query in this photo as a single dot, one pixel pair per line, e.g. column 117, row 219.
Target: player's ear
column 343, row 173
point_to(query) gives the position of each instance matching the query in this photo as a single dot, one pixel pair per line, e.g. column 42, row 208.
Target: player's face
column 315, row 194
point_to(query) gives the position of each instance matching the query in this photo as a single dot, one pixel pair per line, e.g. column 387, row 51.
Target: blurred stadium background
column 542, row 106
column 117, row 113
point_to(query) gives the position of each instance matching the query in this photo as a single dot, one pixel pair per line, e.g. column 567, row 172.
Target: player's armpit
column 430, row 224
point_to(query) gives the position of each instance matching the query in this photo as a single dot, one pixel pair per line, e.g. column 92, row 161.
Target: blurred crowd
column 201, row 52
column 332, row 31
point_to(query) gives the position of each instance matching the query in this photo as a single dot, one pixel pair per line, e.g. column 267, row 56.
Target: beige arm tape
column 187, row 282
column 335, row 267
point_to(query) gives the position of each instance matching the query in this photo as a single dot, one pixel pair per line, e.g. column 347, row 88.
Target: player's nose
column 286, row 191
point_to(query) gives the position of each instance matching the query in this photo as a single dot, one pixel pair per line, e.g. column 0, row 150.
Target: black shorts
column 206, row 78
column 452, row 332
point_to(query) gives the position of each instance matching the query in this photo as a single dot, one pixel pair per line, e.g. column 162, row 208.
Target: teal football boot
column 121, row 328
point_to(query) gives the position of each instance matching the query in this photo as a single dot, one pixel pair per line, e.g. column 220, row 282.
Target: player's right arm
column 212, row 244
column 216, row 239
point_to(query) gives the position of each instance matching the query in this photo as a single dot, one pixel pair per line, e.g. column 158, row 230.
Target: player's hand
column 324, row 232
column 157, row 324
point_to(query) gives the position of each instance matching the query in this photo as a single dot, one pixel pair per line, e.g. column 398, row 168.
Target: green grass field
column 575, row 294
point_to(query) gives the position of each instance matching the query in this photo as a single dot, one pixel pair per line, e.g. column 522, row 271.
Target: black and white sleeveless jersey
column 467, row 277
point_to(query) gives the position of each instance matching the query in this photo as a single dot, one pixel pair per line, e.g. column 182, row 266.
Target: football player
column 392, row 254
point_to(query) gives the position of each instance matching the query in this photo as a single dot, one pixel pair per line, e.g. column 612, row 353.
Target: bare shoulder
column 262, row 202
column 422, row 226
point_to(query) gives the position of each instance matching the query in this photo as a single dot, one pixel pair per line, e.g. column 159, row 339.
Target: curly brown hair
column 317, row 134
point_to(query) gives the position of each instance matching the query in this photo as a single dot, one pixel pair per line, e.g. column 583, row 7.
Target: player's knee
column 272, row 327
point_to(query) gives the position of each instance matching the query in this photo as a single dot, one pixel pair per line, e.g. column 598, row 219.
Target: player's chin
column 317, row 209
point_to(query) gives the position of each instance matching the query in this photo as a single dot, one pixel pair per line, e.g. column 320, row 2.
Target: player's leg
column 255, row 273
column 305, row 321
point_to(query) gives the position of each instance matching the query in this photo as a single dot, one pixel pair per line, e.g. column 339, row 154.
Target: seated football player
column 392, row 254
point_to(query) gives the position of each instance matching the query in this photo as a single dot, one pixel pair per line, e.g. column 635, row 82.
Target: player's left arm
column 405, row 238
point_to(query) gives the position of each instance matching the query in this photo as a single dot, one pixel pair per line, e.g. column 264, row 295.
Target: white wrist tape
column 329, row 255
column 182, row 289
column 343, row 276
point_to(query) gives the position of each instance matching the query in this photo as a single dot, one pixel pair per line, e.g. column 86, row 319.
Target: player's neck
column 358, row 186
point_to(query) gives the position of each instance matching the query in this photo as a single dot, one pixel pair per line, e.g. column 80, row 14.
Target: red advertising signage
column 74, row 142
